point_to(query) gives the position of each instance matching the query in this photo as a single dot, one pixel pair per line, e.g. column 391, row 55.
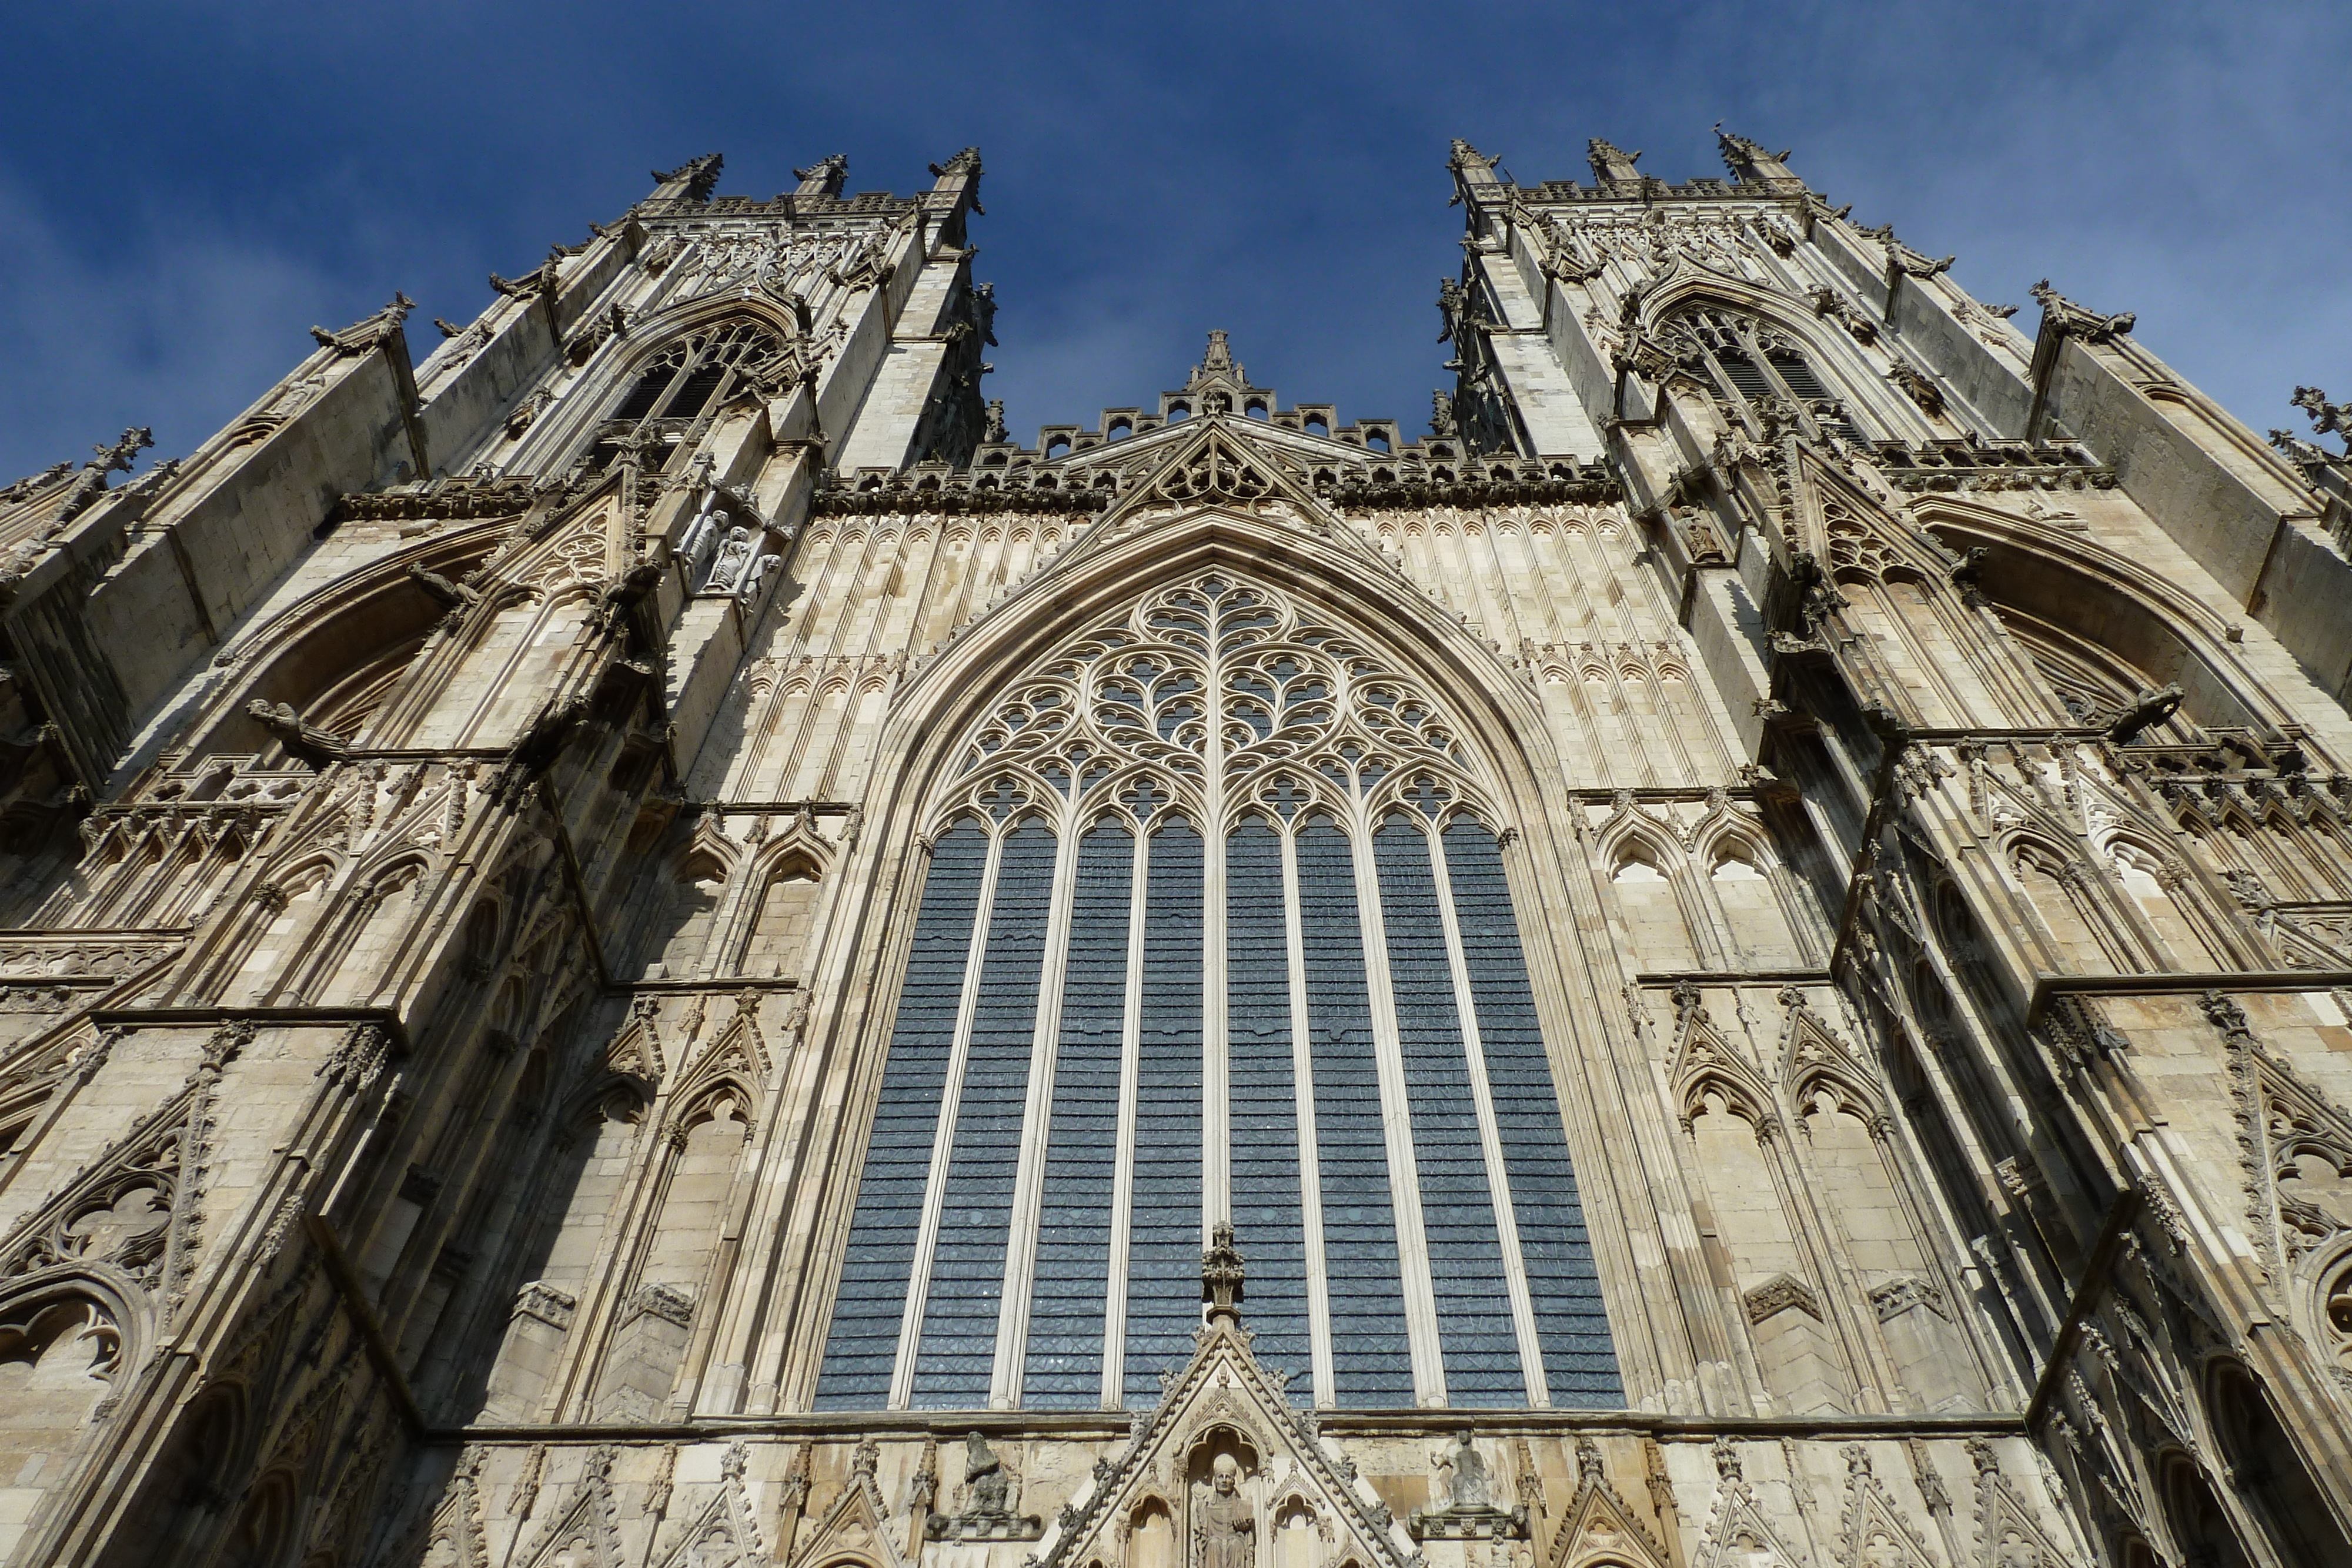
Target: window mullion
column 1036, row 1120
column 926, row 1237
column 1310, row 1172
column 1122, row 1201
column 1396, row 1126
column 1490, row 1137
column 1216, row 1068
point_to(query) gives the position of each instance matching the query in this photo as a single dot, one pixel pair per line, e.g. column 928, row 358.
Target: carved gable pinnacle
column 1222, row 1272
column 1223, row 1445
column 857, row 1522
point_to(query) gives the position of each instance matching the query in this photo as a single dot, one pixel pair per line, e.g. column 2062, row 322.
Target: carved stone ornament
column 1470, row 1512
column 2061, row 314
column 987, row 1503
column 1224, row 1427
column 1781, row 1293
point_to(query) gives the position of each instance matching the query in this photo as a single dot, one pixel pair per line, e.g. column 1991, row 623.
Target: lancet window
column 683, row 383
column 1217, row 927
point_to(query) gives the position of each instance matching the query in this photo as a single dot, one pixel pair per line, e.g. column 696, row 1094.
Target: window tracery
column 1304, row 715
column 1216, row 927
column 1755, row 367
column 685, row 380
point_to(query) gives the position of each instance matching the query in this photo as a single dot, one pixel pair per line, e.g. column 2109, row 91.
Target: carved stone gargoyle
column 300, row 738
column 2147, row 710
column 447, row 595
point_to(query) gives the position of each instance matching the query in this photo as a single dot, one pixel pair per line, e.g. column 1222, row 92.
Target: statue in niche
column 1224, row 1526
column 1470, row 1512
column 757, row 575
column 732, row 557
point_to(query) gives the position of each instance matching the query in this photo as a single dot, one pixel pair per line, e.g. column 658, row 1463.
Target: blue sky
column 185, row 189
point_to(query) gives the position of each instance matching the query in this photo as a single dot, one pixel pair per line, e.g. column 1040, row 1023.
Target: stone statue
column 1224, row 1528
column 732, row 557
column 987, row 1488
column 1467, row 1482
column 758, row 574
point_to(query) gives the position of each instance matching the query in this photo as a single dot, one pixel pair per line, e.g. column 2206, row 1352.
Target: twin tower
column 644, row 942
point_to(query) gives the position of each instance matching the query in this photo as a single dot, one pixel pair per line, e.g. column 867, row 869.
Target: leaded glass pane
column 1371, row 1364
column 1067, row 1299
column 861, row 1349
column 1457, row 1212
column 1265, row 1116
column 958, row 1348
column 1578, row 1358
column 1163, row 1249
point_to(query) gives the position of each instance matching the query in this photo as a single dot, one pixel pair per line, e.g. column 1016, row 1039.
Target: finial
column 1219, row 355
column 117, row 459
column 1466, row 156
column 1220, row 1277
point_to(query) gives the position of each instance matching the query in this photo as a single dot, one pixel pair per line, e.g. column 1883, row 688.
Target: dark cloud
column 199, row 188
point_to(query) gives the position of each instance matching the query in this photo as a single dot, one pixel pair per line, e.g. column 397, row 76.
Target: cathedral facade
column 642, row 941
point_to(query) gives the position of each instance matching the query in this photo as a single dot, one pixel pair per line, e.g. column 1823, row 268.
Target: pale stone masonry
column 645, row 942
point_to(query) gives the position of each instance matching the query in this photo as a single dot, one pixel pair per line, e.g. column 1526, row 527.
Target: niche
column 1652, row 914
column 780, row 934
column 1753, row 910
column 680, row 925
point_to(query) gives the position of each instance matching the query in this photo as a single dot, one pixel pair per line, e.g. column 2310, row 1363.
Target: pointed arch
column 678, row 365
column 1651, row 878
column 1853, row 380
column 965, row 722
column 784, row 887
column 68, row 1339
column 2059, row 890
column 2157, row 884
column 1764, row 910
column 2150, row 627
column 335, row 655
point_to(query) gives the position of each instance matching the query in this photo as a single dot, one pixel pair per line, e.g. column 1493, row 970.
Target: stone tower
column 645, row 943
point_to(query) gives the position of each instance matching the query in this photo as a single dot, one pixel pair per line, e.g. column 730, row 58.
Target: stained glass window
column 1314, row 1020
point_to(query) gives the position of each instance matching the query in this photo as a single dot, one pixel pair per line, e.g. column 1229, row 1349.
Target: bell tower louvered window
column 1216, row 927
column 1754, row 368
column 685, row 380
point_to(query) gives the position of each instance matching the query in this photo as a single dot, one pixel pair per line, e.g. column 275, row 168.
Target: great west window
column 1216, row 927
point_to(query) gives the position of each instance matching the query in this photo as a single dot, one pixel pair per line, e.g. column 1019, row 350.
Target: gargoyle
column 450, row 595
column 300, row 738
column 2147, row 710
